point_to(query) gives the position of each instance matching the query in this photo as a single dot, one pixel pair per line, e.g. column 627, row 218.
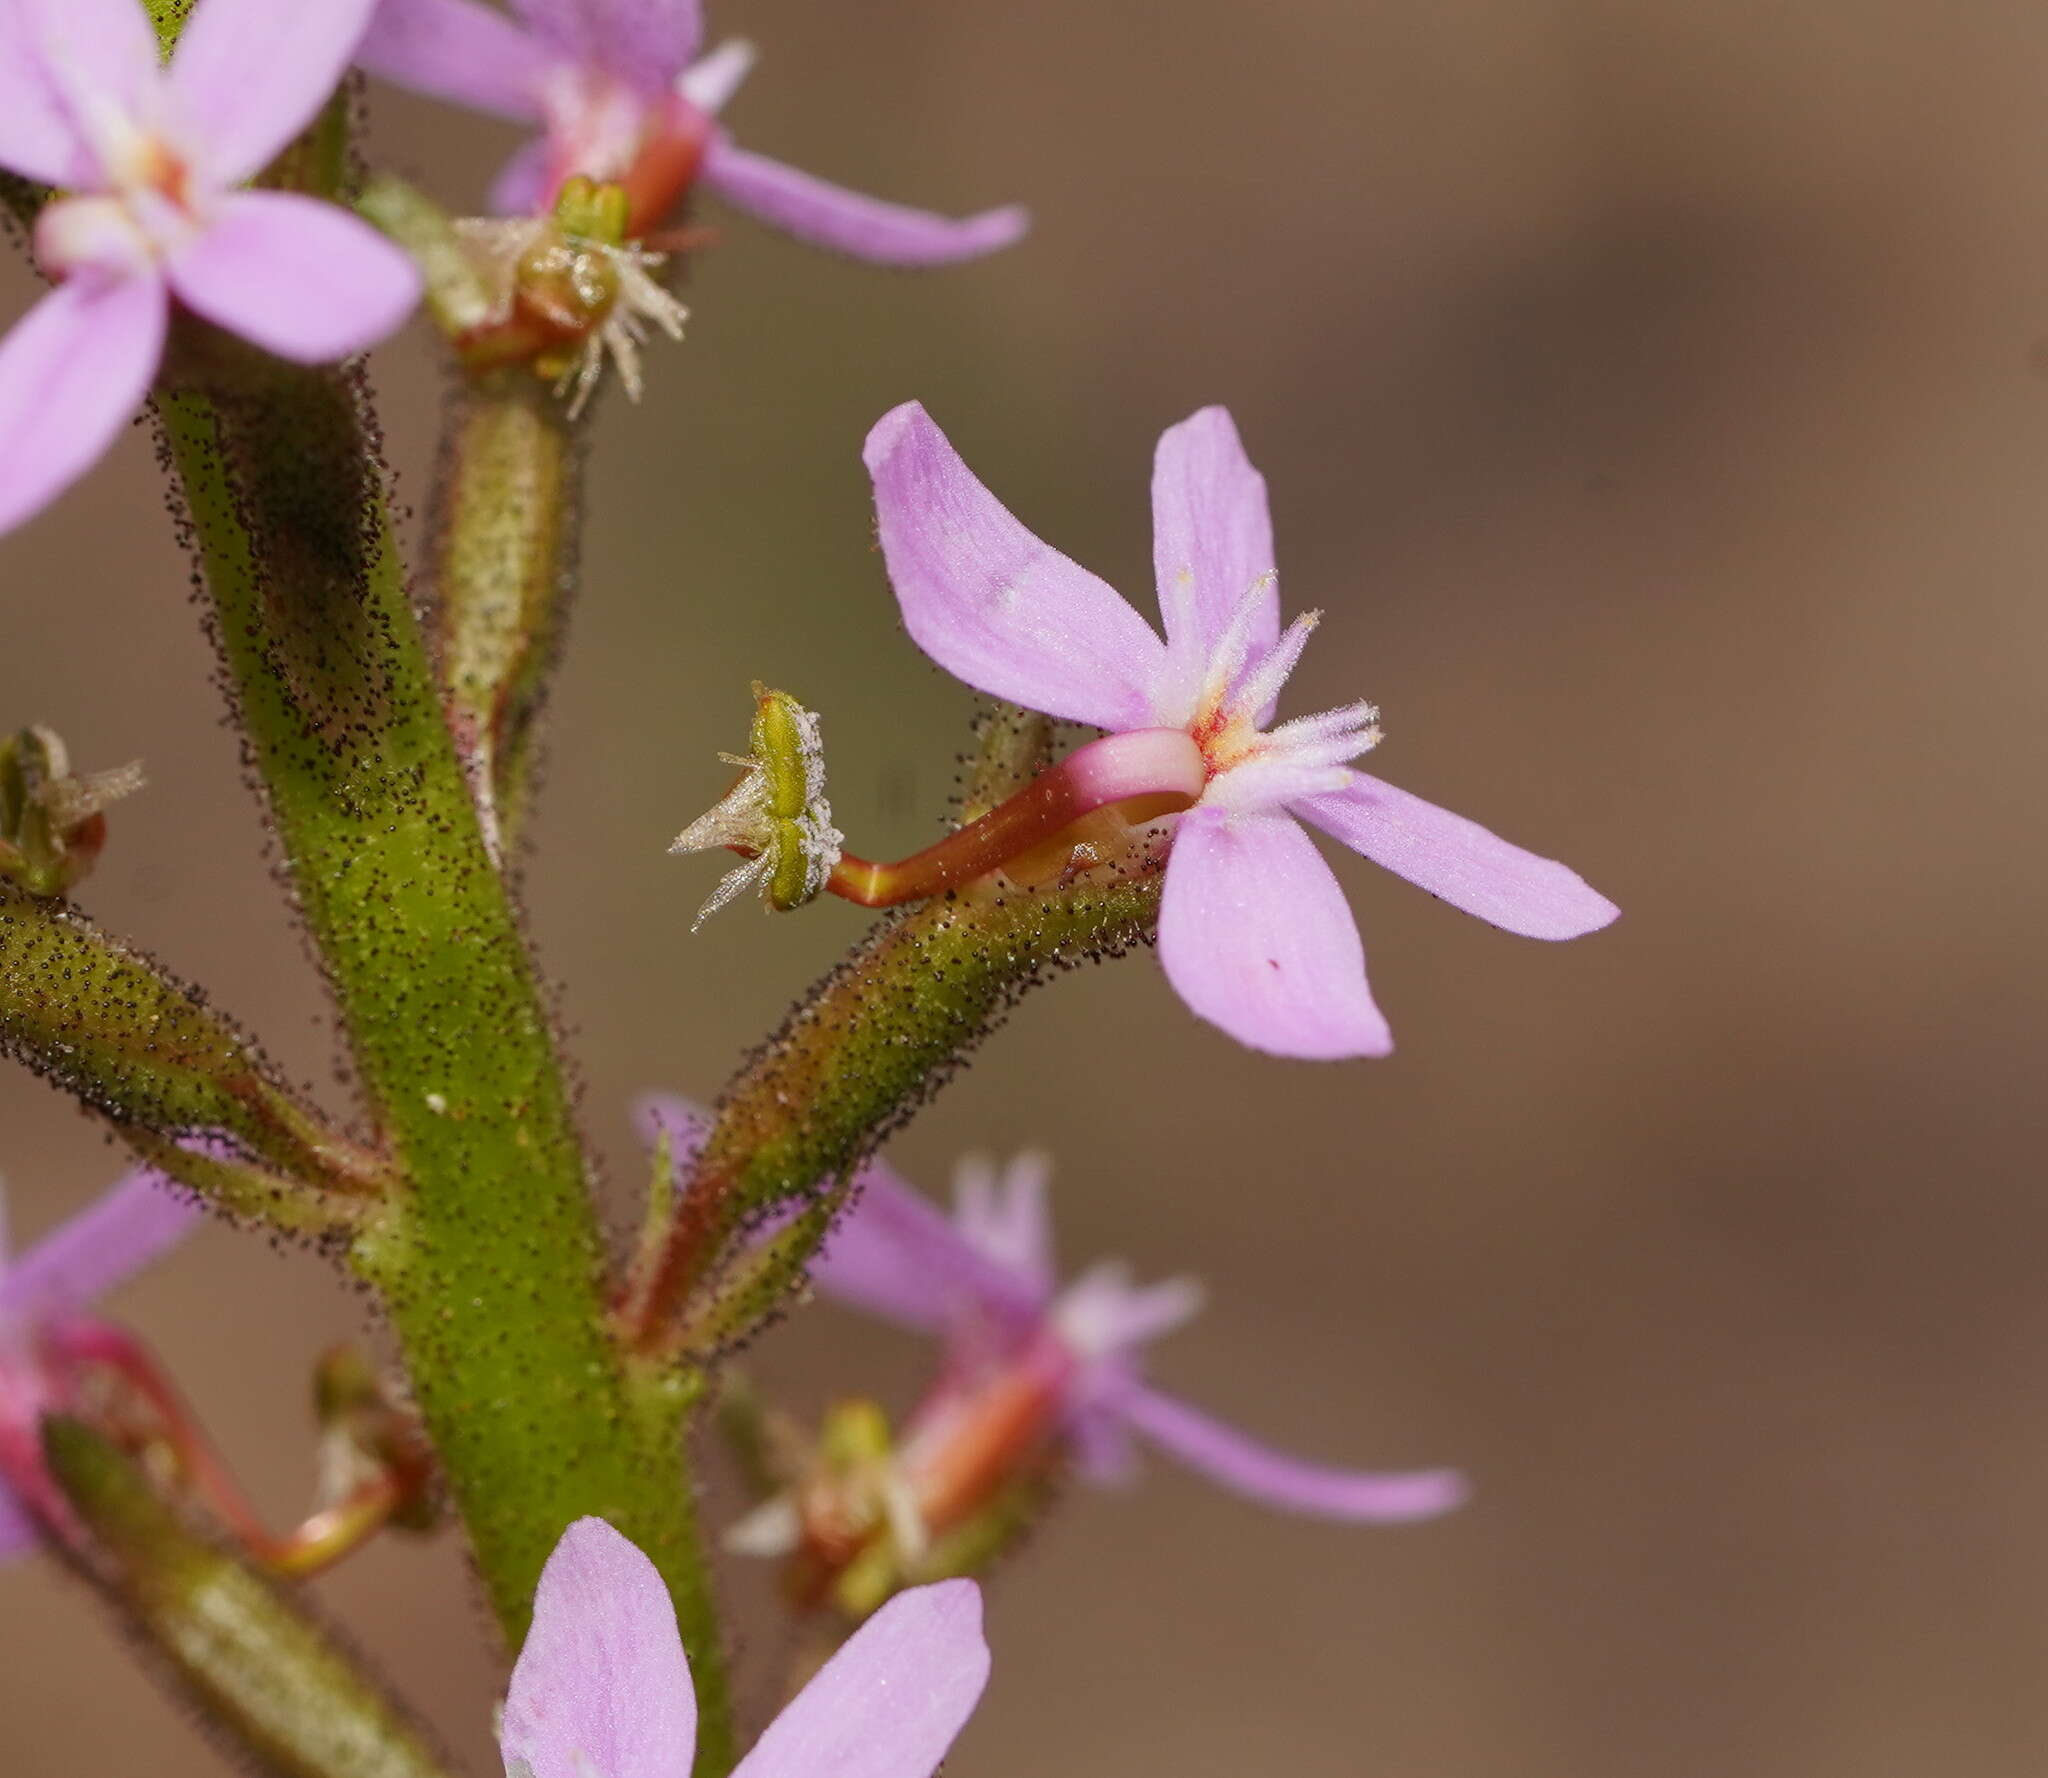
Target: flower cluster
column 188, row 246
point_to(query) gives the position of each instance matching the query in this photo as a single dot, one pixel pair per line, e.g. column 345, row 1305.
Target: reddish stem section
column 1153, row 772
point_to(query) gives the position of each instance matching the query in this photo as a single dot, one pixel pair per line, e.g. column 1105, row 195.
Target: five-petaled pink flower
column 984, row 1284
column 1253, row 929
column 46, row 1326
column 151, row 157
column 602, row 1688
column 622, row 96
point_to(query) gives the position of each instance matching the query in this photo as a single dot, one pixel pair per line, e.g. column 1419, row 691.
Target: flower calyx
column 776, row 817
column 52, row 819
column 855, row 1523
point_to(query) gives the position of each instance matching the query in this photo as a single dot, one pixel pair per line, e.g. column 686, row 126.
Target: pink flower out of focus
column 1254, row 931
column 45, row 1296
column 602, row 1687
column 622, row 96
column 150, row 158
column 983, row 1283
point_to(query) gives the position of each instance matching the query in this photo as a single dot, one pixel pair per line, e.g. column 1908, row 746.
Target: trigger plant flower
column 983, row 1283
column 602, row 1687
column 1254, row 931
column 1029, row 1368
column 149, row 161
column 621, row 96
column 47, row 1327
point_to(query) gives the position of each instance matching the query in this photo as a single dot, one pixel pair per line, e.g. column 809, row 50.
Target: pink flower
column 622, row 96
column 152, row 157
column 983, row 1283
column 45, row 1299
column 602, row 1687
column 1253, row 929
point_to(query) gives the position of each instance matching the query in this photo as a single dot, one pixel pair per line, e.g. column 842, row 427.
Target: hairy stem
column 148, row 1053
column 854, row 1060
column 502, row 561
column 490, row 1262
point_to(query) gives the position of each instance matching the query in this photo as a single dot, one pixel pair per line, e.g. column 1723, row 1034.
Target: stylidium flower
column 46, row 1300
column 1254, row 931
column 151, row 158
column 602, row 1687
column 1026, row 1361
column 985, row 1285
column 621, row 96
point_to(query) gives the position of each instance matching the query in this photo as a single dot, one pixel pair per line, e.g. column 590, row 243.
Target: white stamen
column 1264, row 683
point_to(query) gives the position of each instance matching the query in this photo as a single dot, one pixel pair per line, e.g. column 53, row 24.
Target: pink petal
column 897, row 1256
column 643, row 44
column 458, row 50
column 136, row 1222
column 1212, row 537
column 1256, row 937
column 991, row 603
column 93, row 57
column 1004, row 1213
column 845, row 221
column 1259, row 1472
column 250, row 74
column 300, row 278
column 890, row 1702
column 602, row 1685
column 1458, row 860
column 37, row 137
column 72, row 374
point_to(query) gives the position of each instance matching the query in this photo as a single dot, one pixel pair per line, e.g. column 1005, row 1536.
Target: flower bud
column 51, row 821
column 776, row 816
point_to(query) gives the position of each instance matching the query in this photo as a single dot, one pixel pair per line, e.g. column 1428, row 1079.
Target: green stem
column 118, row 1031
column 262, row 1670
column 490, row 1264
column 502, row 540
column 855, row 1059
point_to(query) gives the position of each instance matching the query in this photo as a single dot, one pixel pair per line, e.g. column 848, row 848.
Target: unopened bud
column 776, row 814
column 52, row 820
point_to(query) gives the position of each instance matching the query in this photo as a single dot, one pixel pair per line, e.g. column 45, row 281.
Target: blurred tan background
column 1655, row 398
